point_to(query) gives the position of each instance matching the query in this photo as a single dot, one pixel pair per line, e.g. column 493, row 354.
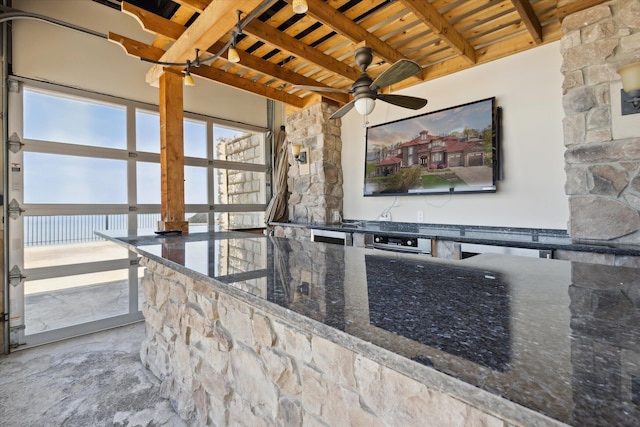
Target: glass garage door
column 83, row 162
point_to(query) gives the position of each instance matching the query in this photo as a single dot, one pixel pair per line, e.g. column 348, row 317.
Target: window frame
column 133, row 156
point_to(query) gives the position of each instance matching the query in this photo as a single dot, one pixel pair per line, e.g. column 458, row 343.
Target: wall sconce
column 301, row 157
column 630, row 94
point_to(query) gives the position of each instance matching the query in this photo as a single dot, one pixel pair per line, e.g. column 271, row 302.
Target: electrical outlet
column 420, row 216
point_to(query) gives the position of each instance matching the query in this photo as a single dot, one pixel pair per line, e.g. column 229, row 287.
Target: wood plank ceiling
column 279, row 49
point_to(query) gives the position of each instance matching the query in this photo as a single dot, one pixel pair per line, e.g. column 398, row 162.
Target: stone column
column 603, row 172
column 315, row 198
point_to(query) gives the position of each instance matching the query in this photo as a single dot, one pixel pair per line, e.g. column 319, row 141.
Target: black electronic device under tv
column 449, row 151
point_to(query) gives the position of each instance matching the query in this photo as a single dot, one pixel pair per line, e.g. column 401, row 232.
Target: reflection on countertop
column 532, row 238
column 559, row 338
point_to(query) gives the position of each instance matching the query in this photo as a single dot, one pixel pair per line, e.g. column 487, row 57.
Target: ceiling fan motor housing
column 361, row 88
column 363, row 57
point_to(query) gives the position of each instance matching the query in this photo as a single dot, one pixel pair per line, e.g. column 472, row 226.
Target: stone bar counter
column 252, row 330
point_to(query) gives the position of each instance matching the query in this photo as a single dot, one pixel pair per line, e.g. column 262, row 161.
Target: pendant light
column 300, row 6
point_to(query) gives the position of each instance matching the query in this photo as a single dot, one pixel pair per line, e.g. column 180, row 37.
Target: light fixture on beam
column 232, row 55
column 630, row 94
column 188, row 79
column 300, row 6
column 298, row 154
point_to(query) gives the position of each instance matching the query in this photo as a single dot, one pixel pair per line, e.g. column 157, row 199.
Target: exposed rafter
column 139, row 49
column 270, row 35
column 529, row 18
column 172, row 31
column 280, row 49
column 432, row 18
column 354, row 32
column 214, row 23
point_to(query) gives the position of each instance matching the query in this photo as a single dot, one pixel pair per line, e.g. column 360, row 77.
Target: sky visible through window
column 53, row 178
column 73, row 121
column 76, row 179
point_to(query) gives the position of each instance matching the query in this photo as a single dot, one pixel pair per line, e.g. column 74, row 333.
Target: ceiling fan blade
column 343, row 110
column 321, row 89
column 399, row 71
column 403, row 101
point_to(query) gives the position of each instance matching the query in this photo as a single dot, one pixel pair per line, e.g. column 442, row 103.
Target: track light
column 300, row 6
column 232, row 55
column 188, row 80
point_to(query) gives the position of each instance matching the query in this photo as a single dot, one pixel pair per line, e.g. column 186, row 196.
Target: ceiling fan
column 365, row 89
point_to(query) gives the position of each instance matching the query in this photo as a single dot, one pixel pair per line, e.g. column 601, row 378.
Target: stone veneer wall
column 603, row 174
column 237, row 186
column 223, row 361
column 316, row 196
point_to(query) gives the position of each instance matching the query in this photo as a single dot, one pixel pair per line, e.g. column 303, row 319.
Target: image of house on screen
column 434, row 152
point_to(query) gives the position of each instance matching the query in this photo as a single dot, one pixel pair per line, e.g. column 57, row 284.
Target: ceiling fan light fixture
column 365, row 106
column 232, row 55
column 300, row 6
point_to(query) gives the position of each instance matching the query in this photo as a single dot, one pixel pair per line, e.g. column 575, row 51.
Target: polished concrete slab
column 94, row 380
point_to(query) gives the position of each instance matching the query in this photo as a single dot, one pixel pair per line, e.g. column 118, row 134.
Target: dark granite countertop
column 536, row 339
column 530, row 238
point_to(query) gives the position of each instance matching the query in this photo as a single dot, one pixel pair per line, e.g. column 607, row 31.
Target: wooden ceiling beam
column 247, row 85
column 272, row 36
column 218, row 19
column 495, row 51
column 428, row 14
column 136, row 48
column 274, row 70
column 195, row 5
column 529, row 18
column 171, row 30
column 339, row 23
column 181, row 17
column 567, row 7
column 139, row 49
column 153, row 23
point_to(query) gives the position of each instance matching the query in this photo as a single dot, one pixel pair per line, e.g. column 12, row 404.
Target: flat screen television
column 449, row 151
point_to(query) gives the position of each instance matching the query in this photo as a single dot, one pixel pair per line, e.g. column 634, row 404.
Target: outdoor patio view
column 80, row 174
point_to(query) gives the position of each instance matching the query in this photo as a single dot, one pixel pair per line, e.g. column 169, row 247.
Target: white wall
column 50, row 53
column 528, row 88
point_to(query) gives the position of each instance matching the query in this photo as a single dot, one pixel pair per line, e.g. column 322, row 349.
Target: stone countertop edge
column 430, row 377
column 395, row 229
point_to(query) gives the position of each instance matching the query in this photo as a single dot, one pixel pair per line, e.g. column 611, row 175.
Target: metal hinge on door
column 16, row 336
column 14, row 143
column 14, row 209
column 15, row 276
column 4, row 317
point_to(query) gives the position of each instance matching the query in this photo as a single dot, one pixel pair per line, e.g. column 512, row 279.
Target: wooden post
column 172, row 152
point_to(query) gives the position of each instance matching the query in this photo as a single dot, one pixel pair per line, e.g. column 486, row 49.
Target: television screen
column 454, row 150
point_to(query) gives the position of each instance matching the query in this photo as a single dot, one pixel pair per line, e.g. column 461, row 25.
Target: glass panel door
column 70, row 178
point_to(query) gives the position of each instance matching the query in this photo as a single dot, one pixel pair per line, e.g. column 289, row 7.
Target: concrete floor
column 90, row 381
